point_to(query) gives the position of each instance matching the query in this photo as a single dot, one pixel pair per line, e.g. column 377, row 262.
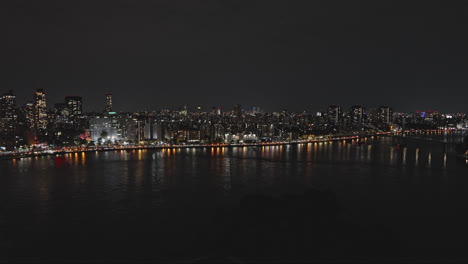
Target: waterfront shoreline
column 327, row 138
column 160, row 147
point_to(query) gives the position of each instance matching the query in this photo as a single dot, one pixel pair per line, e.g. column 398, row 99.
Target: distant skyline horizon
column 23, row 99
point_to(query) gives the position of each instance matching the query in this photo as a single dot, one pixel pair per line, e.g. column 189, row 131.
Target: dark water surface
column 324, row 201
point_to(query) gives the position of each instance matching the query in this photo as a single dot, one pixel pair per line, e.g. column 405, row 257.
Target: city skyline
column 273, row 131
column 193, row 106
column 68, row 125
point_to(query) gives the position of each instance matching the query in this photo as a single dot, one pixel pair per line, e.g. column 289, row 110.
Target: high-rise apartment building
column 334, row 114
column 8, row 119
column 385, row 114
column 28, row 114
column 40, row 109
column 108, row 103
column 357, row 115
column 8, row 105
column 74, row 104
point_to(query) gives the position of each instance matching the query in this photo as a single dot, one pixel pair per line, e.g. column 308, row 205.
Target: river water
column 336, row 201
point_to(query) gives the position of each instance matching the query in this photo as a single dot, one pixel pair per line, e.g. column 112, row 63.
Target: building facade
column 75, row 105
column 40, row 110
column 108, row 107
column 8, row 120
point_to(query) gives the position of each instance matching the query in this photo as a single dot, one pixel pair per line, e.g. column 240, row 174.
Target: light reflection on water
column 339, row 151
column 395, row 183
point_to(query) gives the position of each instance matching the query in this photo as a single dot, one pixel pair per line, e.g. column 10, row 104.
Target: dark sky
column 295, row 55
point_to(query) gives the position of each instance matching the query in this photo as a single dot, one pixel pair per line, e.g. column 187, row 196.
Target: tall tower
column 8, row 118
column 8, row 105
column 28, row 112
column 334, row 114
column 385, row 114
column 40, row 109
column 357, row 115
column 74, row 104
column 108, row 103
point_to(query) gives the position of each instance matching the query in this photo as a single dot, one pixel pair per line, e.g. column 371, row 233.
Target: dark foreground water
column 337, row 201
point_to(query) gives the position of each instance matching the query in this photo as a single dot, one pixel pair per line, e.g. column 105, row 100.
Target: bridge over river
column 448, row 141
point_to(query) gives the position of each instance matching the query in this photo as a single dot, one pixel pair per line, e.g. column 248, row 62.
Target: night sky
column 295, row 55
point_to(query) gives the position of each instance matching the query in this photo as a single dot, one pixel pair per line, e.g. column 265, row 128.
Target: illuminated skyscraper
column 385, row 114
column 74, row 105
column 152, row 130
column 108, row 103
column 357, row 114
column 334, row 114
column 8, row 105
column 8, row 119
column 40, row 109
column 28, row 113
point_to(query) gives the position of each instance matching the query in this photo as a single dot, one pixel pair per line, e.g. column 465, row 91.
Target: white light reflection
column 369, row 150
column 429, row 159
column 404, row 155
column 417, row 157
